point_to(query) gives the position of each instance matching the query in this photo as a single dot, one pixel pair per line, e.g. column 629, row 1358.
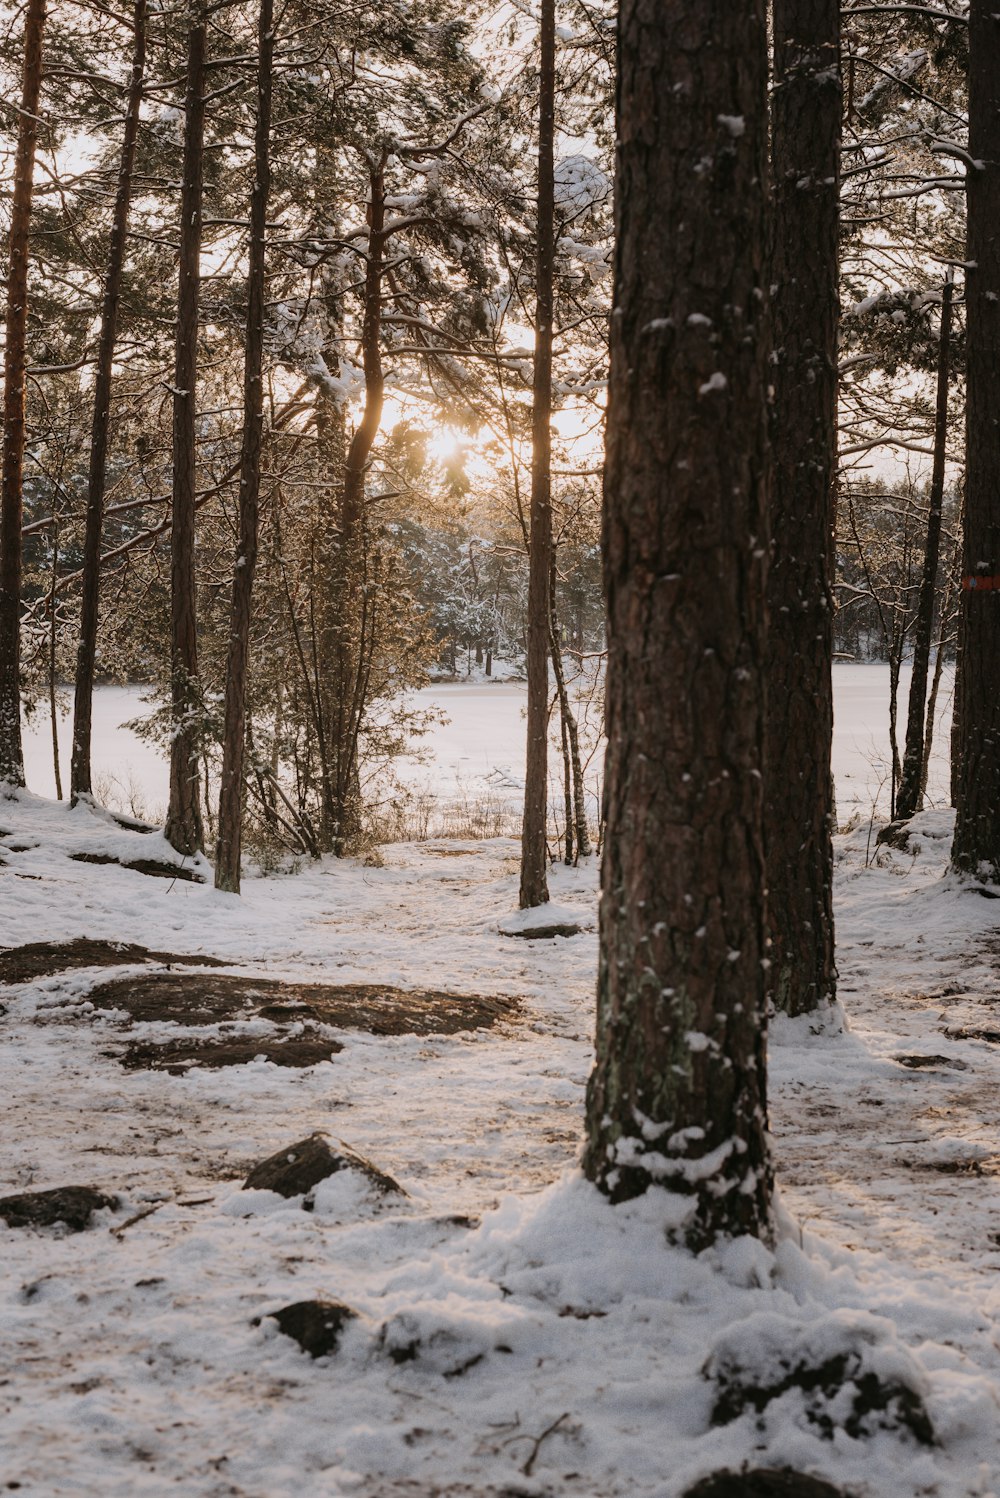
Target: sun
column 444, row 445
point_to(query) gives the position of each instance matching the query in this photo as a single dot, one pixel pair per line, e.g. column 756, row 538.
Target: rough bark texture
column 228, row 847
column 534, row 853
column 184, row 826
column 976, row 849
column 798, row 785
column 80, row 768
column 11, row 496
column 909, row 797
column 678, row 1093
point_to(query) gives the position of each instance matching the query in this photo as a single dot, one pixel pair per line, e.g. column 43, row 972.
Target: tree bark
column 229, row 844
column 184, row 828
column 976, row 849
column 678, row 1092
column 798, row 808
column 534, row 852
column 15, row 359
column 912, row 777
column 80, row 766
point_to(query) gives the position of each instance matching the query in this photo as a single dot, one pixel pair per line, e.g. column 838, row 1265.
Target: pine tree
column 678, row 1093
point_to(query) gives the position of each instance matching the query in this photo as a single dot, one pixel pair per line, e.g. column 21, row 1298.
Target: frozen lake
column 481, row 745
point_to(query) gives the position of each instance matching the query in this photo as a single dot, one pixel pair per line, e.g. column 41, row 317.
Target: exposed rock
column 71, row 1205
column 897, row 835
column 763, row 1483
column 298, row 1168
column 40, row 959
column 315, row 1325
column 877, row 1403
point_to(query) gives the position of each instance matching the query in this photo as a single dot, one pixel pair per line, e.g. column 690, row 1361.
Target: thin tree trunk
column 184, row 827
column 80, row 766
column 678, row 1093
column 53, row 636
column 931, row 710
column 976, row 849
column 345, row 648
column 798, row 809
column 228, row 847
column 534, row 882
column 910, row 796
column 15, row 359
column 576, row 811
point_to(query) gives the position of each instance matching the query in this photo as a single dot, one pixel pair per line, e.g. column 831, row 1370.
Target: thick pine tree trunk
column 976, row 848
column 228, row 846
column 184, row 822
column 15, row 358
column 909, row 797
column 678, row 1093
column 534, row 853
column 798, row 805
column 80, row 767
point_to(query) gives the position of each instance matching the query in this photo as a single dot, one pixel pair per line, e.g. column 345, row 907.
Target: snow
column 515, row 1334
column 479, row 749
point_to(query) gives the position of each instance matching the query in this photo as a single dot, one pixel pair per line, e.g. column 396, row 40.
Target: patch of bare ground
column 194, row 998
column 41, row 959
column 154, row 867
column 179, row 1056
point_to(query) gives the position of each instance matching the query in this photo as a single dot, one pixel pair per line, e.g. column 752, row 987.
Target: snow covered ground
column 514, row 1333
column 480, row 746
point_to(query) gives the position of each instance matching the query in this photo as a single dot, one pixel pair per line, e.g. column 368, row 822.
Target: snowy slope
column 514, row 1333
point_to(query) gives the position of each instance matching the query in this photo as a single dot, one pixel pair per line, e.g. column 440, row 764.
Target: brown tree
column 798, row 783
column 227, row 860
column 976, row 848
column 534, row 853
column 15, row 343
column 678, row 1092
column 184, row 824
column 80, row 769
column 913, row 777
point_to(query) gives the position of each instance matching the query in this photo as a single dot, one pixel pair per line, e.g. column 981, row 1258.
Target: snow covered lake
column 481, row 745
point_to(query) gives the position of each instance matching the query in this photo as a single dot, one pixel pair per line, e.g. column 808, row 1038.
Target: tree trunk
column 798, row 810
column 53, row 642
column 534, row 883
column 228, row 847
column 80, row 767
column 976, row 849
column 184, row 823
column 576, row 796
column 15, row 358
column 344, row 644
column 912, row 778
column 678, row 1093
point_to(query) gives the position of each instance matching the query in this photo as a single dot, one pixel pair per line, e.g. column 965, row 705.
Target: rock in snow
column 298, row 1168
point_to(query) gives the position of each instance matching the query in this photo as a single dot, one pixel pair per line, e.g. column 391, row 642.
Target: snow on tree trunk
column 678, row 1094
